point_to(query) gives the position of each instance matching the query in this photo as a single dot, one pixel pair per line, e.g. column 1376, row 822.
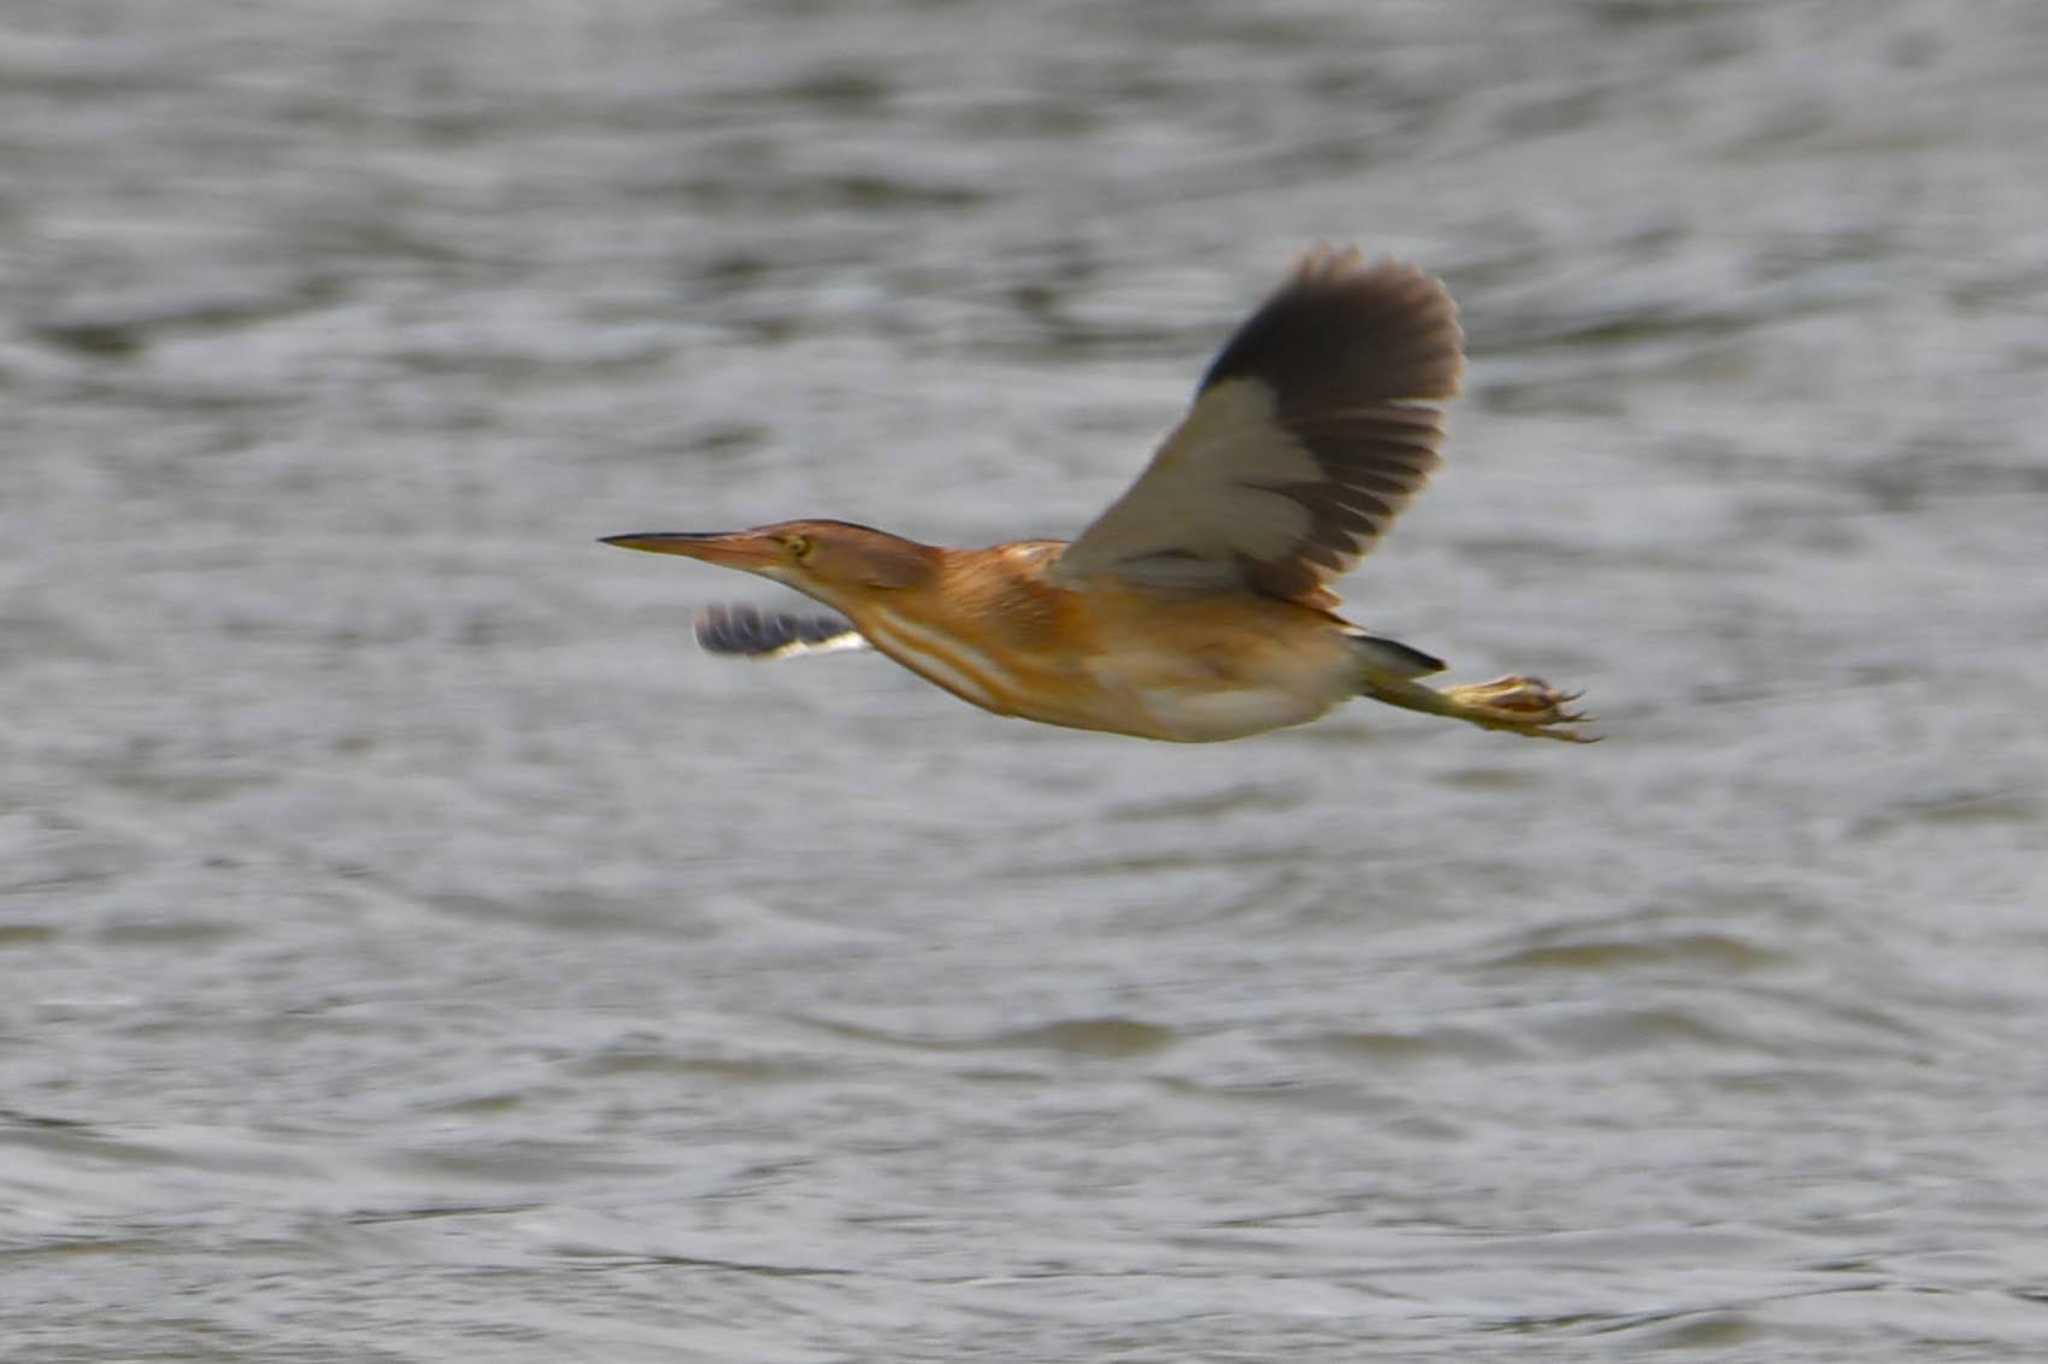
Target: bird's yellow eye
column 799, row 547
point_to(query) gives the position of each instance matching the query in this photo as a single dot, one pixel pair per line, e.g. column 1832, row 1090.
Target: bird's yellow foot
column 1522, row 705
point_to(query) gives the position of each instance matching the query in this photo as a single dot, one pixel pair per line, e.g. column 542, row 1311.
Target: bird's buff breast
column 1206, row 717
column 1189, row 687
column 1198, row 698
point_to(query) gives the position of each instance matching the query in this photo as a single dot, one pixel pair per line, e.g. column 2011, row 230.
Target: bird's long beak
column 743, row 549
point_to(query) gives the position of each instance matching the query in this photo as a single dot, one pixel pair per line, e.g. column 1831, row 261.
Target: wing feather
column 749, row 632
column 1313, row 428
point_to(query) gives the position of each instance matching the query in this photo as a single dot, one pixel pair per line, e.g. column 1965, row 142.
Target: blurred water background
column 414, row 950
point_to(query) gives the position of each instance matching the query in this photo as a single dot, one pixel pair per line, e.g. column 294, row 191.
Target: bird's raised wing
column 752, row 633
column 1311, row 431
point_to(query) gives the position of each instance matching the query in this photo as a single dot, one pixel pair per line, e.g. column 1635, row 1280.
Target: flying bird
column 1198, row 606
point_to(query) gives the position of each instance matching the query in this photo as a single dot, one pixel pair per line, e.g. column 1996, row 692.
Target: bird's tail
column 1392, row 656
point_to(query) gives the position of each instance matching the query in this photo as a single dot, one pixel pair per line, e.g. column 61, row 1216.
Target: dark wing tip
column 749, row 632
column 1345, row 329
column 1350, row 350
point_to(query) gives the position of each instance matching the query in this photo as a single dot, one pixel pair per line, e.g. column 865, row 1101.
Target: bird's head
column 837, row 562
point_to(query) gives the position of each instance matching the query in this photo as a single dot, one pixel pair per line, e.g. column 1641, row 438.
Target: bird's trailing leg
column 1520, row 705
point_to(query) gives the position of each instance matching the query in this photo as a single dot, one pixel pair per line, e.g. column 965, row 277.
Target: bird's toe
column 1523, row 705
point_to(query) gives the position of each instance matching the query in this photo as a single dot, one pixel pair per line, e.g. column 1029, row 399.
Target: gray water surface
column 414, row 950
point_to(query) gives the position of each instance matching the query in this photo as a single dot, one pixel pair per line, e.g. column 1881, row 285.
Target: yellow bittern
column 1197, row 607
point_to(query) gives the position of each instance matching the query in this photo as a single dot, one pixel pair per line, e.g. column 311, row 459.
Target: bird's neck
column 991, row 593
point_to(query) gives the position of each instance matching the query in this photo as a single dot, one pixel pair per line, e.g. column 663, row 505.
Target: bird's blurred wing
column 1311, row 431
column 752, row 633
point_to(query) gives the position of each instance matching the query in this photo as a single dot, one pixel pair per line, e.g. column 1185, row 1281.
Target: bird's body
column 1196, row 607
column 992, row 628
